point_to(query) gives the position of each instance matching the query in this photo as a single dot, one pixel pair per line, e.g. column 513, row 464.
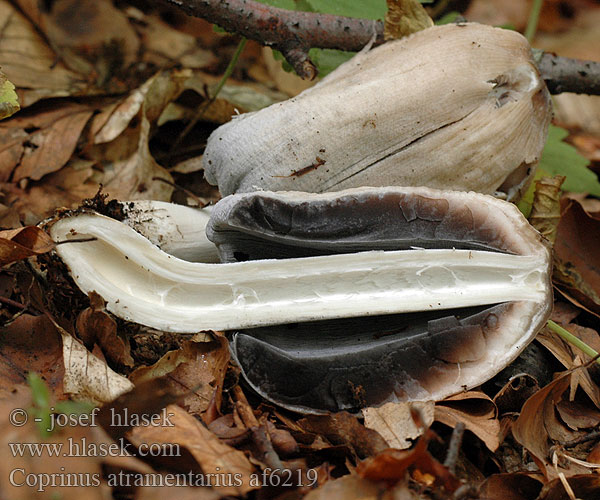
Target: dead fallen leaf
column 129, row 169
column 95, row 326
column 165, row 46
column 30, row 64
column 394, row 423
column 538, row 423
column 23, row 471
column 144, row 400
column 41, row 140
column 197, row 367
column 344, row 429
column 514, row 486
column 545, row 210
column 571, row 357
column 585, row 487
column 392, row 465
column 19, row 244
column 577, row 260
column 477, row 411
column 404, row 17
column 30, row 344
column 578, row 415
column 511, row 397
column 87, row 377
column 353, row 487
column 213, row 456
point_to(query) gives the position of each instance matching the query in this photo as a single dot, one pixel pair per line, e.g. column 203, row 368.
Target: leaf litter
column 101, row 107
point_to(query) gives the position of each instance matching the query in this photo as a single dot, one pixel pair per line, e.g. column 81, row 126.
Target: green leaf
column 560, row 158
column 39, row 391
column 326, row 60
column 367, row 9
column 9, row 102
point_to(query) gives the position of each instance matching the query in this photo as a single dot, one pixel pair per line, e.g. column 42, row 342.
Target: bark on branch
column 294, row 33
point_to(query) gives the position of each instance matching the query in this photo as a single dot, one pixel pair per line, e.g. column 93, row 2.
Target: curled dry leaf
column 394, row 423
column 95, row 326
column 19, row 244
column 577, row 260
column 545, row 211
column 392, row 465
column 578, row 415
column 88, row 377
column 477, row 411
column 342, row 428
column 211, row 455
column 584, row 486
column 538, row 423
column 515, row 486
column 404, row 17
column 197, row 367
column 571, row 357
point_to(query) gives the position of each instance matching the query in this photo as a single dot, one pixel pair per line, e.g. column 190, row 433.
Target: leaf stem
column 572, row 339
column 213, row 95
column 534, row 17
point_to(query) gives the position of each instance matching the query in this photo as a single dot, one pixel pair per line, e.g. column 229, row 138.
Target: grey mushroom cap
column 346, row 364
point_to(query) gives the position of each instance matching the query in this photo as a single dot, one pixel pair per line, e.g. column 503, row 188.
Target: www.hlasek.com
column 268, row 477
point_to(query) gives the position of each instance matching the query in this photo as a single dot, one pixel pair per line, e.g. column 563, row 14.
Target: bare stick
column 294, row 33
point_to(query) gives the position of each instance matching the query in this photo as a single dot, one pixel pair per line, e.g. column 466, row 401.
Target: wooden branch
column 294, row 33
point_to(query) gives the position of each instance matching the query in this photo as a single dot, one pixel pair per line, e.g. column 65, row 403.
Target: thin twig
column 295, row 32
column 454, row 446
column 13, row 303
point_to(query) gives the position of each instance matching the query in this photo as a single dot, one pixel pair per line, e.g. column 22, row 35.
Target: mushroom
column 459, row 106
column 391, row 293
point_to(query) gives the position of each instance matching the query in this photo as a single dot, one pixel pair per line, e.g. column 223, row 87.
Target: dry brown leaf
column 30, row 64
column 95, row 326
column 477, row 411
column 545, row 210
column 514, row 486
column 577, row 260
column 578, row 415
column 344, row 429
column 147, row 399
column 87, row 377
column 511, row 397
column 29, row 466
column 66, row 188
column 30, row 343
column 585, row 487
column 19, row 244
column 538, row 423
column 571, row 357
column 213, row 456
column 353, row 487
column 40, row 141
column 404, row 17
column 129, row 169
column 165, row 46
column 197, row 367
column 394, row 423
column 392, row 465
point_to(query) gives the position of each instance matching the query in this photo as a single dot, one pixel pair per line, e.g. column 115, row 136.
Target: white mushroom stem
column 144, row 284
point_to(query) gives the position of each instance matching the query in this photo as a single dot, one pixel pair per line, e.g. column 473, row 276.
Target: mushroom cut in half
column 468, row 289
